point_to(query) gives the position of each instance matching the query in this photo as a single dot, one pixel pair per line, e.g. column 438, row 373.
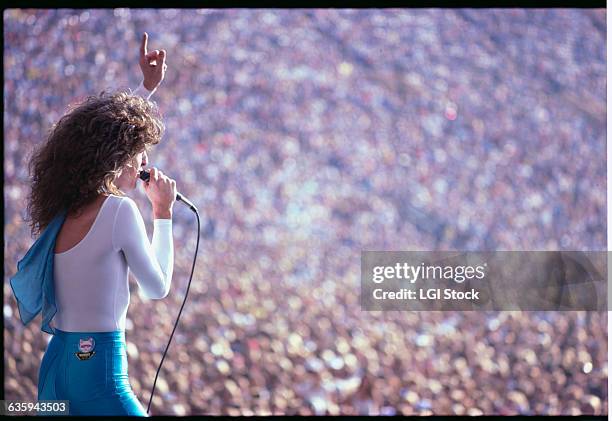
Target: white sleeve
column 143, row 92
column 151, row 263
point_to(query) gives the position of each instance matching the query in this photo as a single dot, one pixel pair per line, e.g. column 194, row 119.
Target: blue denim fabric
column 95, row 386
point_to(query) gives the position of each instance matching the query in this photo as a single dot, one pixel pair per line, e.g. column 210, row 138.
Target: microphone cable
column 145, row 177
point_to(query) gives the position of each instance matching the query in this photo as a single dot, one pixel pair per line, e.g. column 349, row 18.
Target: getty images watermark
column 503, row 280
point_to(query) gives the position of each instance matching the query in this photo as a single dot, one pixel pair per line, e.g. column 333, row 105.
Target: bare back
column 75, row 228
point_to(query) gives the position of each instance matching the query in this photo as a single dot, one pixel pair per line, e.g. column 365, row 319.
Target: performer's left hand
column 153, row 65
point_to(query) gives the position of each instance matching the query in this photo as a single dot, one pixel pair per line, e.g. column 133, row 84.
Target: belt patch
column 86, row 348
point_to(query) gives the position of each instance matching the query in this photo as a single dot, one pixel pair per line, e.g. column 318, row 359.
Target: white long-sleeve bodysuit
column 91, row 279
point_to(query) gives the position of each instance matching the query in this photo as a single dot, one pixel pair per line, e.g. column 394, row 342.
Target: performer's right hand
column 161, row 191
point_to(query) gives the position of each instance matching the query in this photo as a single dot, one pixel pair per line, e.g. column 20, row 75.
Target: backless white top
column 91, row 279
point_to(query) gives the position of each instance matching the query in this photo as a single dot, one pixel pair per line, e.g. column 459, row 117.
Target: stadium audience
column 306, row 136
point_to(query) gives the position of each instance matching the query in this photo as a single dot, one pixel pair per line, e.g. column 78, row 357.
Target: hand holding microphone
column 161, row 191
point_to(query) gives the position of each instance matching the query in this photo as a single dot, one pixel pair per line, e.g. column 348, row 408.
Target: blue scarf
column 33, row 285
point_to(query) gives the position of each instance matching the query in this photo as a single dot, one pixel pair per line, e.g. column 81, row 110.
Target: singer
column 91, row 233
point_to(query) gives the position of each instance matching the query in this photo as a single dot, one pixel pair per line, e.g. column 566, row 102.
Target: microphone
column 144, row 176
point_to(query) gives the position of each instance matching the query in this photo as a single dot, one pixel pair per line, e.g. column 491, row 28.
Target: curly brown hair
column 85, row 150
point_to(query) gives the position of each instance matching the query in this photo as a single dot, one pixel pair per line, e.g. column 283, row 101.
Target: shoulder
column 121, row 199
column 124, row 205
column 128, row 221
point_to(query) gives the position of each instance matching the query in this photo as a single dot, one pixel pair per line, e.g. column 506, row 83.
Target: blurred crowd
column 307, row 136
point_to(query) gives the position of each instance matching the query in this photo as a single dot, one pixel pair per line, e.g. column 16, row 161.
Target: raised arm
column 151, row 263
column 152, row 64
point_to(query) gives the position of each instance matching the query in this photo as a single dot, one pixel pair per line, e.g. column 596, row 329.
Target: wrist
column 162, row 213
column 149, row 86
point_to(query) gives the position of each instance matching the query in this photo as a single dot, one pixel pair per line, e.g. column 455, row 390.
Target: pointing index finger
column 143, row 45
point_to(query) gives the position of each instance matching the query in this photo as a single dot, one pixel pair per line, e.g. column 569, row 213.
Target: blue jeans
column 88, row 369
